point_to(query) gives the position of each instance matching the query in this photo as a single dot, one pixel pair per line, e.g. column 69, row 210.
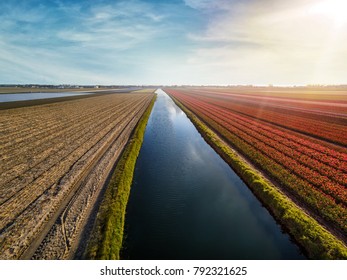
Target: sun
column 336, row 10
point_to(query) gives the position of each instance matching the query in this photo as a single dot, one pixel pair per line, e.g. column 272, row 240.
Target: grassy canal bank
column 107, row 236
column 316, row 241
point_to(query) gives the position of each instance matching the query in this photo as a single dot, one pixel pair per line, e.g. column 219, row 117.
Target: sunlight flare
column 335, row 10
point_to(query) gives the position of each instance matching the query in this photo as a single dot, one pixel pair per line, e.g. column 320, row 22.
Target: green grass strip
column 317, row 242
column 107, row 236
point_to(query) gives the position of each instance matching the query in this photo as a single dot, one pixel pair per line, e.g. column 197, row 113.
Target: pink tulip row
column 313, row 171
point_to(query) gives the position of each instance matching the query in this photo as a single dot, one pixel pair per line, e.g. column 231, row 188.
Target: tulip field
column 296, row 139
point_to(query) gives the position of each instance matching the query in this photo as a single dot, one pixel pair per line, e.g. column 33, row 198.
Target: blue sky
column 173, row 42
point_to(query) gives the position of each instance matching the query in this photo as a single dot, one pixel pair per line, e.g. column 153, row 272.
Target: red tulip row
column 325, row 107
column 270, row 137
column 319, row 152
column 229, row 102
column 308, row 171
column 301, row 143
column 289, row 158
column 322, row 129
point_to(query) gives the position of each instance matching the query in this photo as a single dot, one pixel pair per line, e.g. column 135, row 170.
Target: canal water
column 37, row 95
column 187, row 203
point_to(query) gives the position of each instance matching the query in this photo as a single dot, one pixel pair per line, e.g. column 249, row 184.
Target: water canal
column 187, row 203
column 38, row 95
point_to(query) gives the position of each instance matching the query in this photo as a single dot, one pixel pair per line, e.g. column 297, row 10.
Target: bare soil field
column 55, row 159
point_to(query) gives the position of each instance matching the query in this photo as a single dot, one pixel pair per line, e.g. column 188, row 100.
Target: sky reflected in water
column 187, row 203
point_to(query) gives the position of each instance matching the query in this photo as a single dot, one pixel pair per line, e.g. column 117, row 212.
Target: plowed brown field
column 55, row 159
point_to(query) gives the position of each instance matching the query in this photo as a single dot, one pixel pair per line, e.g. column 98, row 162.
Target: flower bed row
column 315, row 174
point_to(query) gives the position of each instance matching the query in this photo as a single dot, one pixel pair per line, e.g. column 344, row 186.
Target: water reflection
column 186, row 202
column 37, row 95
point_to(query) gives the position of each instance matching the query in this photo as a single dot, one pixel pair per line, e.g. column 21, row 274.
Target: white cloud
column 118, row 26
column 39, row 65
column 212, row 42
column 209, row 4
column 277, row 43
column 77, row 45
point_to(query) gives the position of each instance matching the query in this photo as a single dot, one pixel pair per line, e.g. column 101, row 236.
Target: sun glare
column 334, row 9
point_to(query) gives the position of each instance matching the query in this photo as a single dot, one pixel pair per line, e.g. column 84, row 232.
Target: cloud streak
column 271, row 42
column 100, row 40
column 176, row 42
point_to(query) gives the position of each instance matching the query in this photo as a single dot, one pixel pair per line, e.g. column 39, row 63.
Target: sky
column 174, row 42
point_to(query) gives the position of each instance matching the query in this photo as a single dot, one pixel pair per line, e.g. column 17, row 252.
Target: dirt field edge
column 107, row 234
